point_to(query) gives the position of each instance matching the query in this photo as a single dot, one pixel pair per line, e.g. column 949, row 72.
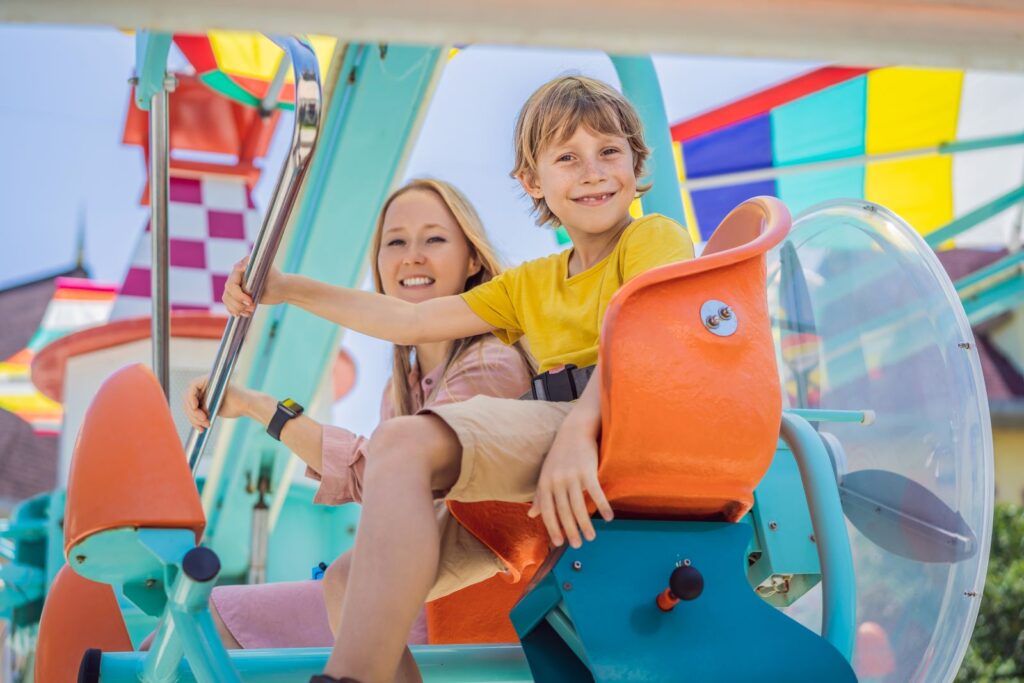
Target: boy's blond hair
column 557, row 109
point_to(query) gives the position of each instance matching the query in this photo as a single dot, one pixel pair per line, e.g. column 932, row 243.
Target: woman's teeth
column 417, row 281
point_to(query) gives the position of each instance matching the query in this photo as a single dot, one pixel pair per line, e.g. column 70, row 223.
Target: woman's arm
column 373, row 314
column 302, row 434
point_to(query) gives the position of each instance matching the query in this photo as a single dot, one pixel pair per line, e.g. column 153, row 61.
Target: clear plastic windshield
column 865, row 318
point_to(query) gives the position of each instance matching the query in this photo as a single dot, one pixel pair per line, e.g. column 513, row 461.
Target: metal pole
column 640, row 84
column 308, row 107
column 159, row 160
column 838, row 582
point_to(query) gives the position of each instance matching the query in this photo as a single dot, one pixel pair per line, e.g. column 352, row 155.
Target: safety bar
column 838, row 586
column 308, row 112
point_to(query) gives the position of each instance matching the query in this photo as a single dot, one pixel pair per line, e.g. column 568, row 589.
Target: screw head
column 773, row 525
column 577, row 565
column 150, row 583
column 79, row 559
column 567, row 586
column 714, row 321
column 725, row 313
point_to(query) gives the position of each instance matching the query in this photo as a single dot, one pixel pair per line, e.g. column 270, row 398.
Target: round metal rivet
column 773, row 525
column 686, row 563
column 577, row 565
column 567, row 586
column 718, row 318
column 150, row 583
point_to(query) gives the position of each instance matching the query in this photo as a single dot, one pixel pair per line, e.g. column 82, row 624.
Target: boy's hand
column 569, row 470
column 238, row 301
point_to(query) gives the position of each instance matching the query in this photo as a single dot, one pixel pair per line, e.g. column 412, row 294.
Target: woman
column 429, row 242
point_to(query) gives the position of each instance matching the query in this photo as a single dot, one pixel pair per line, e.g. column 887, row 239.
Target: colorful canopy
column 824, row 120
column 242, row 65
column 76, row 304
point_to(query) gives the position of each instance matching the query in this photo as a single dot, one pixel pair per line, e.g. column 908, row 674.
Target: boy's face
column 587, row 180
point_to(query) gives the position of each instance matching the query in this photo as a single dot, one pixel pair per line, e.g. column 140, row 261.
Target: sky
column 63, row 97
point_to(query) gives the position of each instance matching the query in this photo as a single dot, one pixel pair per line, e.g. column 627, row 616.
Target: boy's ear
column 530, row 185
column 475, row 266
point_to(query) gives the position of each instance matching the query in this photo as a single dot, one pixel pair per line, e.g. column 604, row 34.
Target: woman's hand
column 237, row 402
column 238, row 301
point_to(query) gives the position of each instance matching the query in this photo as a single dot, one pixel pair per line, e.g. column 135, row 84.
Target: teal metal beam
column 374, row 109
column 151, row 51
column 972, row 218
column 438, row 664
column 640, row 84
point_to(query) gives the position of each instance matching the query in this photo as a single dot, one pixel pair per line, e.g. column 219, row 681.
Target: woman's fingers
column 194, row 404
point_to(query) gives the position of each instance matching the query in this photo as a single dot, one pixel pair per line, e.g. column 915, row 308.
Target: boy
column 579, row 152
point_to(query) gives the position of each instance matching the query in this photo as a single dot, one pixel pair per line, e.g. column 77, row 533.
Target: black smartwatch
column 286, row 410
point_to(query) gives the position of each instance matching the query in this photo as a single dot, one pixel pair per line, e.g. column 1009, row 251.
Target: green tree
column 996, row 652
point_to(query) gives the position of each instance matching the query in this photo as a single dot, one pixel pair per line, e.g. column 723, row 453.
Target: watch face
column 292, row 406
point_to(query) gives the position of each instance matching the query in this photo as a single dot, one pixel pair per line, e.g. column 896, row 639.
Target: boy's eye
column 565, row 157
column 611, row 150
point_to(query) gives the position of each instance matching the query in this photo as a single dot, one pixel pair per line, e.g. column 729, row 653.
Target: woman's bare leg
column 395, row 559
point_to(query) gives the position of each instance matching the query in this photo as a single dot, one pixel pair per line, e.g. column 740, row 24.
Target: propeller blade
column 904, row 518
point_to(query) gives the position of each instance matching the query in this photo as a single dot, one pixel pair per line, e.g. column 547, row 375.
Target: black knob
column 686, row 583
column 201, row 564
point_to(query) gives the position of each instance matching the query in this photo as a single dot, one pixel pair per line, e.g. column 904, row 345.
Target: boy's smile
column 587, row 181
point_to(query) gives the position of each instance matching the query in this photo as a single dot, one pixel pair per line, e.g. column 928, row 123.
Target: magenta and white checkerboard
column 212, row 224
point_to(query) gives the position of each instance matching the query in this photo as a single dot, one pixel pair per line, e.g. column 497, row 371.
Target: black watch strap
column 286, row 410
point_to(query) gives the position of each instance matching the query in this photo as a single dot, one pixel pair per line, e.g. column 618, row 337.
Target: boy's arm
column 570, row 469
column 377, row 315
column 440, row 319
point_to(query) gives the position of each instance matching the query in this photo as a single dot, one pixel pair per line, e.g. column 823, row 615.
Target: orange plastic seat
column 690, row 418
column 129, row 468
column 479, row 613
column 79, row 614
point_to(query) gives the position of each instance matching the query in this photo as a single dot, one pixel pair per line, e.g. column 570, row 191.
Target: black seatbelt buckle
column 558, row 384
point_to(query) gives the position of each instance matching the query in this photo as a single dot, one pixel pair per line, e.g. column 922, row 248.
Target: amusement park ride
column 795, row 434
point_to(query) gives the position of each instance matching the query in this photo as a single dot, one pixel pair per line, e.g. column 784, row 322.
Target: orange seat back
column 79, row 614
column 690, row 418
column 129, row 468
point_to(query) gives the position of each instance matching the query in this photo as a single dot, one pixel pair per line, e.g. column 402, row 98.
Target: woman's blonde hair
column 557, row 109
column 473, row 229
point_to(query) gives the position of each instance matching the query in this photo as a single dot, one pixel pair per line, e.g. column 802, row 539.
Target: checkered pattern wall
column 212, row 224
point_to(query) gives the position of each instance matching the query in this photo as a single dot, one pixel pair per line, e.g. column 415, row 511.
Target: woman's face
column 423, row 252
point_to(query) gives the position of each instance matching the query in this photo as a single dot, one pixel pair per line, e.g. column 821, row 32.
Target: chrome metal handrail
column 308, row 113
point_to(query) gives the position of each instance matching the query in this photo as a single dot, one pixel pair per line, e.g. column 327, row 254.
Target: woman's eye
column 437, row 239
column 396, row 243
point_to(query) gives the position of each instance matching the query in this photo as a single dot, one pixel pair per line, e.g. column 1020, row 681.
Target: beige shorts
column 504, row 442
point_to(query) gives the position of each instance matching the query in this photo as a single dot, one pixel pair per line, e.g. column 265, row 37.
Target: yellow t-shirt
column 561, row 316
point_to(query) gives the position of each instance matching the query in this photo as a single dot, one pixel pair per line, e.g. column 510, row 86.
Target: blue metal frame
column 640, row 84
column 839, row 597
